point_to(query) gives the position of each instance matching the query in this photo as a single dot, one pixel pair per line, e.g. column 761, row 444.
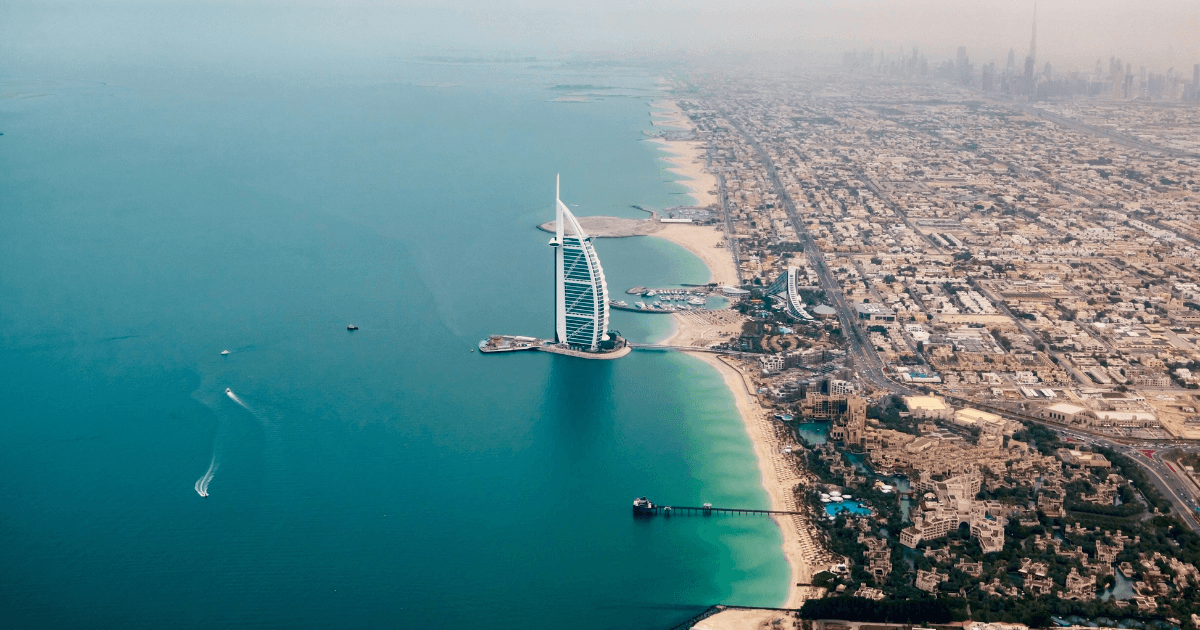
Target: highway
column 1100, row 132
column 871, row 368
column 1167, row 483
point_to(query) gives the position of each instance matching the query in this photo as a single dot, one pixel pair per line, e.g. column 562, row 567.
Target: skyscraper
column 1033, row 39
column 580, row 292
column 1031, row 59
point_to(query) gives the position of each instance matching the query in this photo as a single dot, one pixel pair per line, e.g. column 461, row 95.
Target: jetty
column 643, row 507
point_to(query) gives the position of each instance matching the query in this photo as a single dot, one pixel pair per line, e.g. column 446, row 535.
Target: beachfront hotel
column 580, row 292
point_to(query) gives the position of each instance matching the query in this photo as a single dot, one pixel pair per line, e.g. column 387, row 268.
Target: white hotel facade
column 580, row 291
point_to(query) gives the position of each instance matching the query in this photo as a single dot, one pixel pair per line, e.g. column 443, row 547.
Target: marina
column 672, row 299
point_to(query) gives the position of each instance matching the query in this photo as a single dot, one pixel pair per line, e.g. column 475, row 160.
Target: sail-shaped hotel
column 580, row 292
column 580, row 299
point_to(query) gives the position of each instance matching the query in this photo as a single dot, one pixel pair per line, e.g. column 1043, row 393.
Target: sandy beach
column 703, row 241
column 780, row 475
column 687, row 156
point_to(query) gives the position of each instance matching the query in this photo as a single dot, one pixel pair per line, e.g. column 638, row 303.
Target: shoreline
column 687, row 157
column 778, row 477
column 702, row 241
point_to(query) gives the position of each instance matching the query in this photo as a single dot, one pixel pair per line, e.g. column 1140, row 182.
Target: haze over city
column 804, row 315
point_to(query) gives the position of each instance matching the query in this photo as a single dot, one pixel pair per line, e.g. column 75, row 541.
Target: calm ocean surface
column 158, row 210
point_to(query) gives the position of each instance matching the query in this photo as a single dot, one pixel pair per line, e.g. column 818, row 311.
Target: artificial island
column 580, row 299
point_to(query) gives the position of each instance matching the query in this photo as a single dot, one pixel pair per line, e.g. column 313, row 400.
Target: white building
column 580, row 291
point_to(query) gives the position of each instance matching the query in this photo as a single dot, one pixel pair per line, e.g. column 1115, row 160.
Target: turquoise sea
column 161, row 208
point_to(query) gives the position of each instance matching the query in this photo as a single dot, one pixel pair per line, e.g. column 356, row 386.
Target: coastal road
column 730, row 242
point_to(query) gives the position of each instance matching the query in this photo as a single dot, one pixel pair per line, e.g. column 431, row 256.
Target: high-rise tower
column 1033, row 39
column 1031, row 60
column 580, row 291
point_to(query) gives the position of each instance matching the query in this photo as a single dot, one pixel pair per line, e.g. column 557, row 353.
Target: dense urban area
column 971, row 301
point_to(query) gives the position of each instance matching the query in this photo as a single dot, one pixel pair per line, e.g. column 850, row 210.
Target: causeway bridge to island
column 666, row 347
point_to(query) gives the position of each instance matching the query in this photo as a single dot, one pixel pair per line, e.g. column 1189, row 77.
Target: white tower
column 580, row 291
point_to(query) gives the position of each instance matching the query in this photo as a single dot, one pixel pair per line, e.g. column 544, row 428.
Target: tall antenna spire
column 558, row 211
column 1033, row 41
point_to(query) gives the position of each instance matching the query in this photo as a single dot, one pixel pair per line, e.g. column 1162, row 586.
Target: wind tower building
column 580, row 291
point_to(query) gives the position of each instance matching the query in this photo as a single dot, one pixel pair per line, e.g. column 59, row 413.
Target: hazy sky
column 1071, row 33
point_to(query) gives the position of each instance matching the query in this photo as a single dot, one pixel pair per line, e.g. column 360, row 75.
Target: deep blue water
column 159, row 208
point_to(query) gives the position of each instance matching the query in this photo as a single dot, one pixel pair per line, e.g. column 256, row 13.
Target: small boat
column 224, row 352
column 351, row 327
column 228, row 391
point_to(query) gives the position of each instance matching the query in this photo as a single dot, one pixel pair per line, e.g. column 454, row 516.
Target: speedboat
column 224, row 352
column 228, row 391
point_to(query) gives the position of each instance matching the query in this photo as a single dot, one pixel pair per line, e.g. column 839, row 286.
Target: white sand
column 687, row 157
column 702, row 241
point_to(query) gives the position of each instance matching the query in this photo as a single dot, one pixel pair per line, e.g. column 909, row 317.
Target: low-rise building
column 928, row 581
column 928, row 407
column 1083, row 459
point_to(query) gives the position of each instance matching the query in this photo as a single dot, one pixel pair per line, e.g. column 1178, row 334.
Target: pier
column 642, row 507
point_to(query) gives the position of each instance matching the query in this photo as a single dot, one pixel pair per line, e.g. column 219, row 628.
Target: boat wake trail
column 202, row 483
column 232, row 431
column 254, row 412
